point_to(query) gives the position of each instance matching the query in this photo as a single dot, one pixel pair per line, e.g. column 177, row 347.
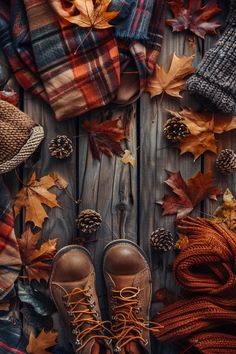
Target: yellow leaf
column 173, row 81
column 92, row 14
column 226, row 213
column 39, row 344
column 128, row 158
column 182, row 242
column 34, row 195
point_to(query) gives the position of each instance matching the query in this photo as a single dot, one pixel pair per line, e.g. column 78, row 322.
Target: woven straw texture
column 19, row 136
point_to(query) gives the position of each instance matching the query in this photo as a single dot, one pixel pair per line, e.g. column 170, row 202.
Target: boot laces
column 127, row 323
column 84, row 320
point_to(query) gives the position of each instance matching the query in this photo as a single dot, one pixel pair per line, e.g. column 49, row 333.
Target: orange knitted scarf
column 205, row 320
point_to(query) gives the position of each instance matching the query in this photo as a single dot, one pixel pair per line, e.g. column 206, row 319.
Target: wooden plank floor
column 125, row 197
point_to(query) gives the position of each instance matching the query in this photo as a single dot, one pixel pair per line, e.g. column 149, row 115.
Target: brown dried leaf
column 35, row 261
column 105, row 137
column 39, row 344
column 202, row 127
column 128, row 158
column 173, row 81
column 225, row 214
column 198, row 144
column 34, row 195
column 188, row 194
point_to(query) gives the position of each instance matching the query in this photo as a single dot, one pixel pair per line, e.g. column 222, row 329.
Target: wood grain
column 125, row 197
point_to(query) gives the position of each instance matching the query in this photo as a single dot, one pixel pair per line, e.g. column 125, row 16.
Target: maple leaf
column 35, row 194
column 104, row 137
column 202, row 127
column 39, row 344
column 173, row 81
column 194, row 17
column 92, row 14
column 128, row 158
column 35, row 260
column 188, row 194
column 198, row 145
column 225, row 215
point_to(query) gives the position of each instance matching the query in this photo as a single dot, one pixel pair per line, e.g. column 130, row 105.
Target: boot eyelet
column 108, row 341
column 89, row 298
column 117, row 349
column 96, row 314
column 74, row 331
column 92, row 305
column 146, row 342
column 78, row 342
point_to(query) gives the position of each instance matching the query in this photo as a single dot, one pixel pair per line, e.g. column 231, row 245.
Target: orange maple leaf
column 188, row 194
column 35, row 194
column 35, row 261
column 202, row 127
column 173, row 81
column 88, row 13
column 105, row 137
column 39, row 344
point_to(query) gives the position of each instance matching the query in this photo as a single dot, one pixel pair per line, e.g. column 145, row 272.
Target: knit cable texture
column 214, row 83
column 205, row 318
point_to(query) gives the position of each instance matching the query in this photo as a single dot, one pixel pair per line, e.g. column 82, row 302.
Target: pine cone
column 61, row 147
column 175, row 129
column 89, row 221
column 162, row 240
column 226, row 161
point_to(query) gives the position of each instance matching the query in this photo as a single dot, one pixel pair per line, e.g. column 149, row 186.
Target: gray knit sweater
column 214, row 83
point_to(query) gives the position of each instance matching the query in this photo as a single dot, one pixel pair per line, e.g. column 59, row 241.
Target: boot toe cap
column 124, row 258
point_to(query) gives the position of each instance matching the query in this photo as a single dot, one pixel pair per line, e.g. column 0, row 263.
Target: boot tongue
column 133, row 348
column 97, row 349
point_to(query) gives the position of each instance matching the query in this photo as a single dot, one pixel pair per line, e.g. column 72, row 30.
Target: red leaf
column 188, row 194
column 194, row 17
column 104, row 137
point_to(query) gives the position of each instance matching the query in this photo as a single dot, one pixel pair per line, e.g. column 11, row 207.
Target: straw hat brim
column 35, row 138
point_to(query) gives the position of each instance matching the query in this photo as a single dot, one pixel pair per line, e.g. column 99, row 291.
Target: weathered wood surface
column 126, row 197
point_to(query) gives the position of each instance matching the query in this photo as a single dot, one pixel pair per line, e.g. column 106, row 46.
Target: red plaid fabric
column 10, row 260
column 75, row 69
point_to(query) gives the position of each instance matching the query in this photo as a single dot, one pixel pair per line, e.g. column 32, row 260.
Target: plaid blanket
column 10, row 260
column 77, row 69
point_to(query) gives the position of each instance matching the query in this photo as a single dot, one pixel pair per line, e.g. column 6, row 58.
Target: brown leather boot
column 128, row 281
column 72, row 286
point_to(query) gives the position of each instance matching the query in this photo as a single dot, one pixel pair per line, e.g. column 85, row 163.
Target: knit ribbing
column 204, row 320
column 213, row 84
